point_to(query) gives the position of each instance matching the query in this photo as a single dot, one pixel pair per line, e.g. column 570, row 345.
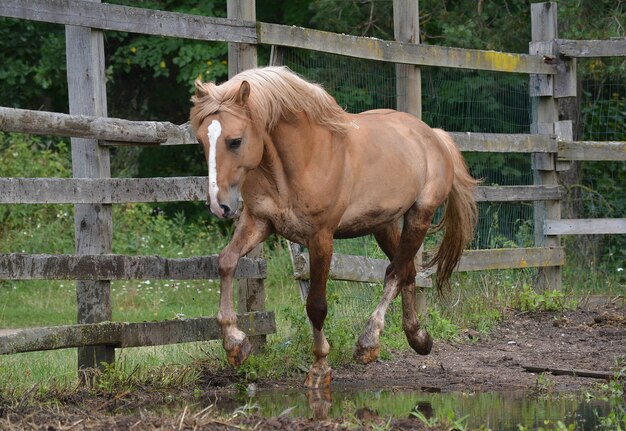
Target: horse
column 311, row 172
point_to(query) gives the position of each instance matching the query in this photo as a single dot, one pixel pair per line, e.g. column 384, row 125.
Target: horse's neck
column 289, row 149
column 272, row 167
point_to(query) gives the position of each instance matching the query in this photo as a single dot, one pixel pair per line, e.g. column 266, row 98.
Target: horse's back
column 394, row 159
column 385, row 135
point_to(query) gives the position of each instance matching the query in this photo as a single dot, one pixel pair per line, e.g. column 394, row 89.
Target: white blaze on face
column 215, row 130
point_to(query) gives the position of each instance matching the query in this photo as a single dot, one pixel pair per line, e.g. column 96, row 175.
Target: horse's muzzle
column 227, row 211
column 222, row 211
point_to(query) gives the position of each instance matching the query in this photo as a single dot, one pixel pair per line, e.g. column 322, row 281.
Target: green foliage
column 551, row 426
column 548, row 300
column 440, row 327
column 168, row 56
column 544, row 386
column 26, row 156
column 33, row 65
column 450, row 421
column 358, row 18
column 475, row 101
column 25, row 227
column 613, row 393
column 604, row 114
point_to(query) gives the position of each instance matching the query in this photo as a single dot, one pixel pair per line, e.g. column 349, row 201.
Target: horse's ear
column 201, row 90
column 244, row 93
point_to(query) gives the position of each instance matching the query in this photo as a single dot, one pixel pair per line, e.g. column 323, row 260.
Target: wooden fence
column 93, row 192
column 551, row 66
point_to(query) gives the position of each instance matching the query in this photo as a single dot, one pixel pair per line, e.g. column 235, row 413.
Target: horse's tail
column 459, row 217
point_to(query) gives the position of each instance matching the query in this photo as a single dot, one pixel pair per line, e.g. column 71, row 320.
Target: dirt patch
column 591, row 339
column 582, row 339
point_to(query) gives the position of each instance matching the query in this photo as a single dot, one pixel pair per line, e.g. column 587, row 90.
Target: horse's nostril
column 226, row 210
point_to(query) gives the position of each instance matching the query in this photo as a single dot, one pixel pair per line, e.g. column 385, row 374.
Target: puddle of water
column 498, row 411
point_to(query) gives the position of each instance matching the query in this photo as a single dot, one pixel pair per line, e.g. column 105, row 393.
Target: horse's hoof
column 366, row 355
column 238, row 354
column 421, row 342
column 320, row 401
column 319, row 377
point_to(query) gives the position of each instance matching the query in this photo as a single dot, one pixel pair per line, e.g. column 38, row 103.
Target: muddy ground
column 591, row 338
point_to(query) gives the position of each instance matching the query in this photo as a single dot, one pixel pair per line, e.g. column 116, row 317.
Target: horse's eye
column 233, row 144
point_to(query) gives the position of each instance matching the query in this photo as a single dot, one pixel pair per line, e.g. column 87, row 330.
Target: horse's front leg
column 321, row 252
column 249, row 233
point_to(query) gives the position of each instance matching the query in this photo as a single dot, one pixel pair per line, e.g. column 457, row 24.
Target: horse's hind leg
column 368, row 345
column 400, row 276
column 416, row 223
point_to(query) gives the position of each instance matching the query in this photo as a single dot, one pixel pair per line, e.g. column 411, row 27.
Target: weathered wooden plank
column 101, row 190
column 584, row 226
column 124, row 334
column 504, row 142
column 592, row 48
column 353, row 268
column 509, row 258
column 91, row 127
column 369, row 270
column 398, row 52
column 147, row 21
column 517, row 193
column 130, row 19
column 592, row 150
column 18, row 266
column 607, row 375
column 113, row 131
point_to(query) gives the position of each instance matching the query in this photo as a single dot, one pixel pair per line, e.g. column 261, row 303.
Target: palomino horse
column 311, row 172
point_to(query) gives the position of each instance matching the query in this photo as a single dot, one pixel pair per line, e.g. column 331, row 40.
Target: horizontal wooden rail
column 592, row 48
column 585, row 226
column 19, row 266
column 106, row 16
column 370, row 270
column 399, row 52
column 505, row 143
column 592, row 150
column 508, row 258
column 115, row 130
column 517, row 193
column 101, row 190
column 124, row 334
column 174, row 189
column 354, row 268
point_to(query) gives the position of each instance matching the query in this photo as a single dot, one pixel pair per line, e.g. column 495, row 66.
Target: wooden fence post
column 241, row 56
column 545, row 115
column 406, row 28
column 93, row 224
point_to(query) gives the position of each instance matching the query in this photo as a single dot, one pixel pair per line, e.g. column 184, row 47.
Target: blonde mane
column 275, row 93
